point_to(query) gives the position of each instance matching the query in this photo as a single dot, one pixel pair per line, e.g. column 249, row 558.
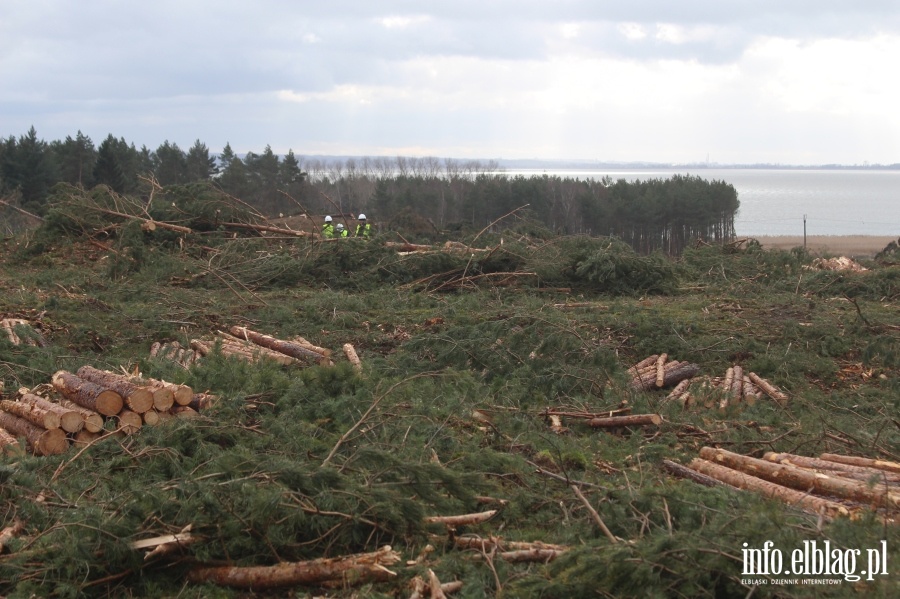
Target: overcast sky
column 775, row 81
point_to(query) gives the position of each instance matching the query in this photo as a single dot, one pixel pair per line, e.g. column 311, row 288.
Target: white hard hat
column 328, row 219
column 340, row 225
column 362, row 217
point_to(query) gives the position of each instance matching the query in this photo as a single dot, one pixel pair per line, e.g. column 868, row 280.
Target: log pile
column 658, row 372
column 830, row 486
column 252, row 346
column 77, row 407
column 25, row 335
column 737, row 387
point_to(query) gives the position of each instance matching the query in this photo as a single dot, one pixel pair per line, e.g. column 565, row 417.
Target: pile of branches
column 80, row 407
column 830, row 486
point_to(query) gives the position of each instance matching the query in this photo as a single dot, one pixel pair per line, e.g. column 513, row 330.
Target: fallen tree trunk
column 70, row 420
column 866, row 462
column 355, row 569
column 630, row 420
column 742, row 480
column 138, row 398
column 42, row 441
column 304, row 343
column 287, row 348
column 87, row 394
column 803, row 480
column 492, row 543
column 37, row 416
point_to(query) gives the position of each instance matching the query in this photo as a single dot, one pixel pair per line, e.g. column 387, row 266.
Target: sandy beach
column 859, row 246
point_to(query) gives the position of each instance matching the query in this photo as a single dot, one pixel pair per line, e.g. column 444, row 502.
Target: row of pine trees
column 445, row 193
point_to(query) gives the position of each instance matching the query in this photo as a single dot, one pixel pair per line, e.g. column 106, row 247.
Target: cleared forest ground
column 475, row 441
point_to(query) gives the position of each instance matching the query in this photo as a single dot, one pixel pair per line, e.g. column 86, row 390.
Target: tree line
column 448, row 194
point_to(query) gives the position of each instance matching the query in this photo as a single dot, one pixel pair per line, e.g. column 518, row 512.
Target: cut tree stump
column 138, row 398
column 87, row 394
column 42, row 441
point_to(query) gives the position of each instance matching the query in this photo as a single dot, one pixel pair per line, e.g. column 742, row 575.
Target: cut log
column 866, row 462
column 201, row 347
column 202, row 401
column 42, row 441
column 828, row 465
column 681, row 471
column 768, row 388
column 10, row 532
column 233, row 346
column 9, row 445
column 737, row 384
column 166, row 394
column 360, row 568
column 287, row 348
column 150, row 417
column 630, row 420
column 93, row 421
column 352, row 356
column 803, row 480
column 462, row 519
column 87, row 394
column 675, row 372
column 70, row 420
column 84, row 436
column 37, row 416
column 661, row 370
column 128, row 422
column 138, row 398
column 154, row 348
column 184, row 412
column 648, row 361
column 679, row 389
column 742, row 480
column 310, row 346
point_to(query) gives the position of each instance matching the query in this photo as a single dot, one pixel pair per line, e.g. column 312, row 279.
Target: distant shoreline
column 862, row 246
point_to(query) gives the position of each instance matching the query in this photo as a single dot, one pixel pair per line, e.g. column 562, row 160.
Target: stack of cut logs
column 735, row 388
column 30, row 337
column 249, row 345
column 657, row 372
column 77, row 407
column 831, row 485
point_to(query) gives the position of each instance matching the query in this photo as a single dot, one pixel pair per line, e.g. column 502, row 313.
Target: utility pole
column 804, row 231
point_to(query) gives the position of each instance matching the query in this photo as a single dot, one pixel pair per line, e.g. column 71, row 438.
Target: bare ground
column 859, row 246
